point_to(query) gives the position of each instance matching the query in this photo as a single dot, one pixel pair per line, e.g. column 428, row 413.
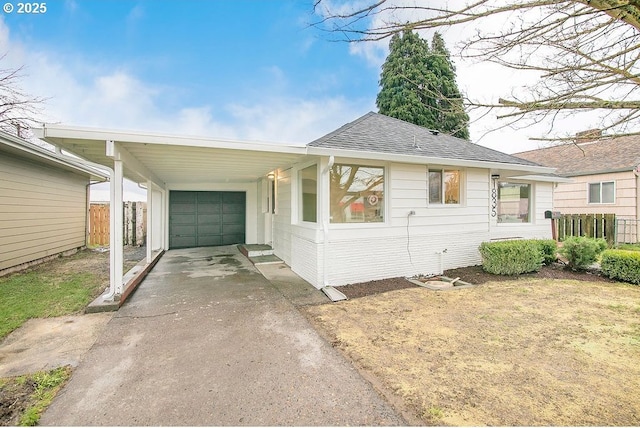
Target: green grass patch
column 37, row 294
column 28, row 396
column 629, row 247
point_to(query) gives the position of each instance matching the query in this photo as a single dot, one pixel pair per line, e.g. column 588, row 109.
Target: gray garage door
column 201, row 219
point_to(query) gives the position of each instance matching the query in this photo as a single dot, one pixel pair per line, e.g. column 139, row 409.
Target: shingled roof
column 598, row 157
column 375, row 132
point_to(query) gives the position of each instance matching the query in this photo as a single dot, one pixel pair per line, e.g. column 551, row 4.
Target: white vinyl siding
column 436, row 237
column 43, row 210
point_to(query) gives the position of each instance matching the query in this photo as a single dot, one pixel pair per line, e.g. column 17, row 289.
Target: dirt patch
column 473, row 275
column 361, row 289
column 520, row 352
column 14, row 398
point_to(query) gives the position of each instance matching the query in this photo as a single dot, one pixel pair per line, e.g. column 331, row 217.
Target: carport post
column 116, row 250
column 149, row 221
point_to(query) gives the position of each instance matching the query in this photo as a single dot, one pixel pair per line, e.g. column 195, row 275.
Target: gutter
column 395, row 157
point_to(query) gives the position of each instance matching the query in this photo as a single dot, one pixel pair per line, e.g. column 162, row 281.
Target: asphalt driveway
column 207, row 340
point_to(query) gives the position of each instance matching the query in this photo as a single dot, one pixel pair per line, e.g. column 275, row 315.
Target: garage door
column 202, row 219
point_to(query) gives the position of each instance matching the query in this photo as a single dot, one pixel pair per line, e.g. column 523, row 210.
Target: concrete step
column 256, row 250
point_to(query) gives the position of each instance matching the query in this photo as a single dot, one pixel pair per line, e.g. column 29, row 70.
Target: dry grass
column 527, row 352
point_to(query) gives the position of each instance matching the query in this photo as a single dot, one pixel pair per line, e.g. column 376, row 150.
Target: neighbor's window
column 514, row 202
column 444, row 182
column 357, row 194
column 309, row 193
column 602, row 193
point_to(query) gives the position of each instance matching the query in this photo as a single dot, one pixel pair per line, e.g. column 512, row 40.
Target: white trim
column 462, row 196
column 25, row 147
column 532, row 211
column 392, row 157
column 94, row 134
column 386, row 168
column 589, row 183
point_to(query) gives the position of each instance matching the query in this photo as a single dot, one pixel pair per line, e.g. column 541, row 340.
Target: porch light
column 271, row 176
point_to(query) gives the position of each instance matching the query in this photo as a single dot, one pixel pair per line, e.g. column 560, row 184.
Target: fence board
column 134, row 227
column 99, row 224
column 589, row 225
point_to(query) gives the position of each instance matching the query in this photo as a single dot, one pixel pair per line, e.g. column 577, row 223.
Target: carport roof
column 185, row 160
column 172, row 158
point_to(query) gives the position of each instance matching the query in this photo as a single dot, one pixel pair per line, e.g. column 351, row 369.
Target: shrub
column 511, row 257
column 548, row 248
column 581, row 251
column 622, row 264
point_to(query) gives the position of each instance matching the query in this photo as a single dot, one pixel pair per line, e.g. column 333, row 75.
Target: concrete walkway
column 207, row 340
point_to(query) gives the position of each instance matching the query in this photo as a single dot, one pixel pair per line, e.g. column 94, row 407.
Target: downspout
column 112, row 289
column 325, row 223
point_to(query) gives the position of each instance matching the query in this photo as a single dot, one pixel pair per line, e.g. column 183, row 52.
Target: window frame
column 385, row 195
column 530, row 205
column 443, row 186
column 300, row 193
column 600, row 183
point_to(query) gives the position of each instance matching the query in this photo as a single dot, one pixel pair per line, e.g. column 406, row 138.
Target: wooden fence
column 589, row 225
column 135, row 223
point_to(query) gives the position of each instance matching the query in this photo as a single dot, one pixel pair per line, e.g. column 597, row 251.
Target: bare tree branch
column 585, row 52
column 18, row 110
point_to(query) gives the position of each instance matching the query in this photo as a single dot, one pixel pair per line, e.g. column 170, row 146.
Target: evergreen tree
column 418, row 85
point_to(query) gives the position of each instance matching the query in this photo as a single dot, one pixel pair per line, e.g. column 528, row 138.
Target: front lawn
column 63, row 286
column 521, row 352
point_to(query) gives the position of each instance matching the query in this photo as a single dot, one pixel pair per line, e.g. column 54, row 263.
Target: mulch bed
column 471, row 274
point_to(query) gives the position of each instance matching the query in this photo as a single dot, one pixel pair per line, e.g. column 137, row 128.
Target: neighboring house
column 377, row 198
column 603, row 172
column 43, row 203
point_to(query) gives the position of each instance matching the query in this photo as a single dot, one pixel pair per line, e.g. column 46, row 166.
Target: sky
column 237, row 69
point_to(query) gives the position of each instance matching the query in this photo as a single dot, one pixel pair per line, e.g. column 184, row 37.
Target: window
column 514, row 202
column 602, row 193
column 357, row 194
column 444, row 182
column 309, row 193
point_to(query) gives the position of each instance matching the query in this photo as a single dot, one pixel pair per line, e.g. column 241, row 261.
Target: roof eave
column 40, row 153
column 603, row 171
column 51, row 133
column 545, row 178
column 393, row 157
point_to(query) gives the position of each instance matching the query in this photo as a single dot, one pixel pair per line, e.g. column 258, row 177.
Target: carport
column 200, row 191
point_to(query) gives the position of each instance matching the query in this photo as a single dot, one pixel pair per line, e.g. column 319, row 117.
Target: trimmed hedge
column 549, row 250
column 581, row 251
column 621, row 264
column 511, row 257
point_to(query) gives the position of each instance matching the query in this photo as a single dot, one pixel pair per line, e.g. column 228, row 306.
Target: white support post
column 149, row 221
column 117, row 240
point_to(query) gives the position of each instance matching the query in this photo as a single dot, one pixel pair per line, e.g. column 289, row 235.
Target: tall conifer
column 418, row 85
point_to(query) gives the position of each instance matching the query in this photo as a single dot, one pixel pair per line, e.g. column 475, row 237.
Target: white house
column 376, row 198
